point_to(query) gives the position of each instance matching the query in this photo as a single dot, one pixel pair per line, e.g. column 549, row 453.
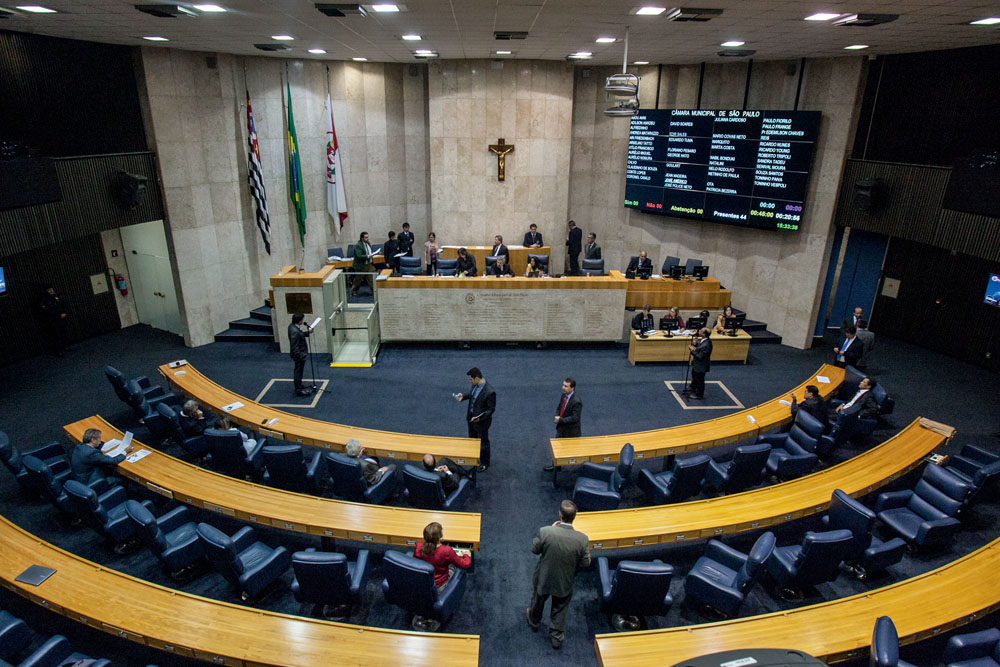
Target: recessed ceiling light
column 992, row 20
column 503, row 53
column 282, row 38
column 412, row 38
column 733, row 42
column 424, row 53
column 822, row 16
column 606, row 40
column 209, row 9
column 359, row 59
column 154, row 38
column 385, row 8
column 650, row 11
column 317, row 51
column 580, row 55
column 641, row 62
column 855, row 47
column 36, row 9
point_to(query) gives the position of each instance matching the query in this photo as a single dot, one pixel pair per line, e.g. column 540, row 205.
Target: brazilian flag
column 295, row 173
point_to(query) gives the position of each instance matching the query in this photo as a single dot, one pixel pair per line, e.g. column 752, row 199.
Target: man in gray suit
column 563, row 551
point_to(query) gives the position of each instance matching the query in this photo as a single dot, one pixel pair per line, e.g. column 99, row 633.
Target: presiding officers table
column 435, row 308
column 660, row 293
column 518, row 255
column 659, row 347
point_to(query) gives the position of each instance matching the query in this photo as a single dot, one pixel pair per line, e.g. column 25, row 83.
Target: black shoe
column 482, row 468
column 301, row 392
column 556, row 642
column 534, row 626
column 549, row 468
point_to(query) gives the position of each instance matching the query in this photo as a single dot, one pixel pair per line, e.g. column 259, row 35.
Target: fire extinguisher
column 120, row 284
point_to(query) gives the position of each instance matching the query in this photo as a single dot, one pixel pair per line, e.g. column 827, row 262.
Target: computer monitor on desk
column 669, row 324
column 695, row 323
column 734, row 323
column 676, row 271
column 700, row 272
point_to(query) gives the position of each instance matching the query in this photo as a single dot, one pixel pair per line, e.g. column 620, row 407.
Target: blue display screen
column 992, row 297
column 3, row 282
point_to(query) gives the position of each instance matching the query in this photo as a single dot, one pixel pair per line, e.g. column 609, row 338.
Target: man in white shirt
column 861, row 406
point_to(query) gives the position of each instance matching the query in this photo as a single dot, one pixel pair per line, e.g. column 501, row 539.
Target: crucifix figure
column 501, row 149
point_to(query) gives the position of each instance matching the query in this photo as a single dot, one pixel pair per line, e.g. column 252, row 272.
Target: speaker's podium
column 348, row 332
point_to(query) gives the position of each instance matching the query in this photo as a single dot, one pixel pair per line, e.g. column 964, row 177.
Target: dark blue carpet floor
column 409, row 390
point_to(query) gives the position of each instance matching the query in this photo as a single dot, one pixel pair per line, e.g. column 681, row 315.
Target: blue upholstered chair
column 867, row 553
column 978, row 467
column 541, row 260
column 744, row 470
column 489, row 264
column 334, row 252
column 592, row 267
column 194, row 445
column 722, row 577
column 885, row 645
column 793, row 454
column 349, row 481
column 409, row 266
column 286, row 467
column 634, row 590
column 599, row 486
column 349, row 248
column 329, row 580
column 974, row 649
column 246, row 563
column 667, row 263
column 119, row 383
column 925, row 515
column 689, row 266
column 447, row 267
column 815, row 561
column 104, row 513
column 677, row 484
column 56, row 652
column 409, row 584
column 145, row 409
column 42, row 479
column 52, row 454
column 14, row 635
column 227, row 454
column 173, row 537
column 423, row 489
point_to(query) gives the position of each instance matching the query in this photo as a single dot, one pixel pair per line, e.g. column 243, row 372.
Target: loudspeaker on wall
column 130, row 189
column 866, row 193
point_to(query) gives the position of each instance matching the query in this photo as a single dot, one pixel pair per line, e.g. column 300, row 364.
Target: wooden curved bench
column 313, row 432
column 254, row 503
column 921, row 607
column 769, row 505
column 209, row 630
column 692, row 437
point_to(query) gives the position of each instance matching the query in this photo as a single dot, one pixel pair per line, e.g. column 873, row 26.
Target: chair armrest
column 450, row 597
column 825, row 445
column 360, row 574
column 267, row 570
column 51, row 450
column 725, row 554
column 972, row 452
column 936, row 531
column 243, row 538
column 773, row 439
column 457, row 498
column 102, row 485
column 971, row 646
column 602, row 471
column 255, row 458
column 174, row 519
column 650, row 485
column 143, row 382
column 316, row 470
column 892, row 499
column 962, row 465
column 604, row 578
column 113, row 497
column 378, row 492
column 712, row 593
column 716, row 473
column 597, row 500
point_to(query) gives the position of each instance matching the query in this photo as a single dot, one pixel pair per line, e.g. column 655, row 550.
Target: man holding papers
column 482, row 404
column 362, row 265
column 299, row 350
column 88, row 463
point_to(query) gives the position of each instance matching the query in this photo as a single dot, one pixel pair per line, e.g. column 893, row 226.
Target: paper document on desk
column 822, row 379
column 784, row 402
column 232, row 406
column 113, row 448
column 135, row 456
column 335, row 258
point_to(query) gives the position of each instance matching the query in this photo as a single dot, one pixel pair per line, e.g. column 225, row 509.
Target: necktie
column 562, row 408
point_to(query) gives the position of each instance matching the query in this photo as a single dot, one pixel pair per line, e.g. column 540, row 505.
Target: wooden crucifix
column 501, row 149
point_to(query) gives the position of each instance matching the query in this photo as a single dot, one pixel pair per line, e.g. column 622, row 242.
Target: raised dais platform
column 663, row 293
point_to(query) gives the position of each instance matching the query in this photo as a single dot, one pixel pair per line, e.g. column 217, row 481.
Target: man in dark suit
column 563, row 551
column 853, row 320
column 592, row 250
column 640, row 264
column 501, row 268
column 849, row 352
column 192, row 419
column 369, row 467
column 861, row 406
column 482, row 404
column 466, row 264
column 391, row 249
column 406, row 240
column 813, row 404
column 88, row 463
column 499, row 249
column 361, row 265
column 298, row 350
column 701, row 357
column 567, row 414
column 574, row 243
column 447, row 471
column 533, row 239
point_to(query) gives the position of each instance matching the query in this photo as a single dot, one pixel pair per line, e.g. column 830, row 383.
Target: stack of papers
column 334, row 258
column 135, row 456
column 232, row 406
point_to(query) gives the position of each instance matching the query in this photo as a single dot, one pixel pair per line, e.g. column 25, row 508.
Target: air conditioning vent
column 507, row 35
column 341, row 10
column 865, row 20
column 166, row 11
column 737, row 53
column 272, row 47
column 693, row 14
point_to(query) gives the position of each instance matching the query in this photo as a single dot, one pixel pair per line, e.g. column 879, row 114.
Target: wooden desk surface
column 326, row 435
column 290, row 276
column 691, row 437
column 767, row 506
column 921, row 607
column 613, row 280
column 255, row 503
column 346, row 264
column 663, row 293
column 213, row 631
column 657, row 347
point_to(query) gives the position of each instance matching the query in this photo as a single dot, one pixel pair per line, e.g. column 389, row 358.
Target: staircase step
column 245, row 336
column 763, row 336
column 251, row 324
column 263, row 313
column 753, row 325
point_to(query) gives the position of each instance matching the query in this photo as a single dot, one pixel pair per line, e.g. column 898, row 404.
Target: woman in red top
column 441, row 556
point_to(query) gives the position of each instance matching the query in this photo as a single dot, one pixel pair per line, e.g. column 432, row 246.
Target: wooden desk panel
column 216, row 632
column 290, row 276
column 767, row 506
column 691, row 437
column 920, row 608
column 658, row 347
column 663, row 293
column 346, row 264
column 286, row 510
column 614, row 280
column 518, row 257
column 312, row 432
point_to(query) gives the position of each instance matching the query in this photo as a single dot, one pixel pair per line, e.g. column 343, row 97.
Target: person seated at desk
column 720, row 321
column 466, row 264
column 862, row 405
column 813, row 404
column 192, row 419
column 89, row 464
column 532, row 239
column 431, row 254
column 223, row 424
column 849, row 352
column 592, row 250
column 446, row 469
column 391, row 249
column 533, row 270
column 639, row 265
column 369, row 466
column 441, row 556
column 643, row 321
column 499, row 249
column 501, row 268
column 672, row 312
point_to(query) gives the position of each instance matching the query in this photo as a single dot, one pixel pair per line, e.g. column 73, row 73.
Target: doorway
column 148, row 260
